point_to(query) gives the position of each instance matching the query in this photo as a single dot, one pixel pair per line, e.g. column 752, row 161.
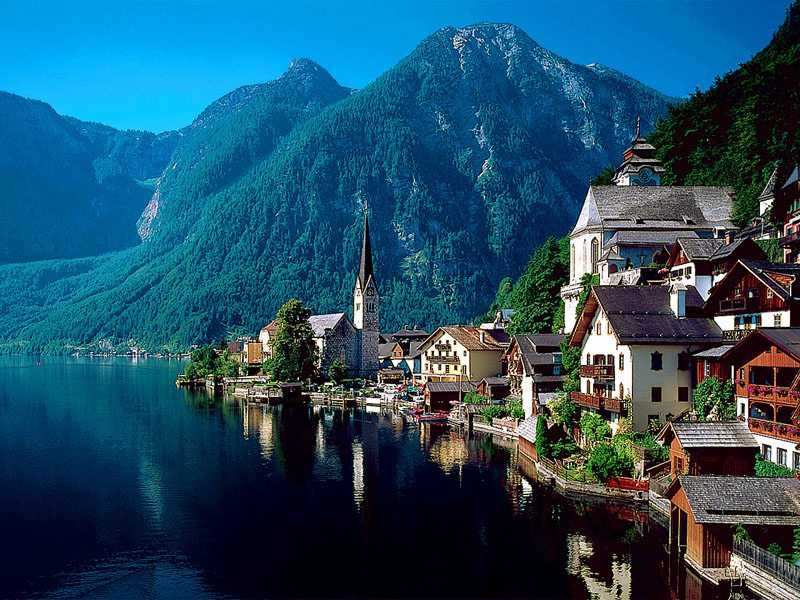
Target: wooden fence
column 776, row 566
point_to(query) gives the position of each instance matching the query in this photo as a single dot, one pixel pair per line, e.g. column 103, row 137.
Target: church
column 354, row 343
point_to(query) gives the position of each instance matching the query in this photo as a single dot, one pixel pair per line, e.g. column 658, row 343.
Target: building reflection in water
column 613, row 581
column 358, row 474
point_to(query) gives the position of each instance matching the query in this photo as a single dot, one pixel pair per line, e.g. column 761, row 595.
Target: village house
column 703, row 262
column 709, row 448
column 755, row 293
column 786, row 211
column 461, row 353
column 636, row 345
column 400, row 350
column 705, row 511
column 631, row 224
column 441, row 395
column 494, row 388
column 767, row 386
column 533, row 365
column 354, row 343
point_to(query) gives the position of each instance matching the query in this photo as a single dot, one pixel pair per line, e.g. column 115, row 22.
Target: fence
column 774, row 565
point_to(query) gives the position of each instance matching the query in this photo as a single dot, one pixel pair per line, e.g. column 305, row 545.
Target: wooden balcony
column 587, row 400
column 448, row 360
column 768, row 393
column 614, row 405
column 790, row 240
column 735, row 335
column 598, row 371
column 782, row 431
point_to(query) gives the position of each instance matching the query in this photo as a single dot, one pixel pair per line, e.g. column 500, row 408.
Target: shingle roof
column 449, row 386
column 637, row 276
column 385, row 350
column 642, row 314
column 648, row 238
column 763, row 270
column 716, row 352
column 794, row 177
column 714, row 434
column 769, row 189
column 745, row 500
column 700, row 248
column 495, row 380
column 470, row 337
column 319, row 323
column 538, row 349
column 700, row 204
column 408, row 333
column 527, row 429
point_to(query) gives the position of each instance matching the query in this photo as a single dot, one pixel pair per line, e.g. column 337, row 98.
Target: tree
column 294, row 352
column 564, row 410
column 767, row 468
column 604, row 177
column 713, row 400
column 543, row 446
column 337, row 372
column 206, row 361
column 594, row 428
column 796, row 545
column 606, row 461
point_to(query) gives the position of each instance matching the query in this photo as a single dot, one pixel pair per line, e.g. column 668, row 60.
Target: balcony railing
column 614, row 405
column 588, row 400
column 768, row 393
column 734, row 335
column 598, row 371
column 450, row 360
column 782, row 431
column 789, row 240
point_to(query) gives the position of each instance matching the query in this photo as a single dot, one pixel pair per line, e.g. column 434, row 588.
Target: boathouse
column 440, row 394
column 709, row 448
column 706, row 510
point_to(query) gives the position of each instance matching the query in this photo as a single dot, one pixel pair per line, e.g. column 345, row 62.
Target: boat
column 439, row 416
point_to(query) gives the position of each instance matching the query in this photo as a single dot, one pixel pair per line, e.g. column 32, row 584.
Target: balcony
column 782, row 431
column 449, row 360
column 735, row 335
column 768, row 393
column 598, row 371
column 587, row 400
column 789, row 240
column 614, row 405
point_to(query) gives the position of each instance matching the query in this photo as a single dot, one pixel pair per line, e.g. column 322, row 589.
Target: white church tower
column 366, row 304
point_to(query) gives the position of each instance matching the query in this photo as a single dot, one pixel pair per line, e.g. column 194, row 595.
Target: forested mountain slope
column 71, row 188
column 735, row 132
column 467, row 153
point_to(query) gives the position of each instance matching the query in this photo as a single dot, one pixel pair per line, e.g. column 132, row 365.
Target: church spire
column 365, row 267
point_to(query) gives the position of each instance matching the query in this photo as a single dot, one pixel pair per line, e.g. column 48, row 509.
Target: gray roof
column 769, row 189
column 716, row 352
column 657, row 207
column 762, row 270
column 794, row 177
column 714, row 434
column 637, row 276
column 385, row 350
column 449, row 386
column 785, row 338
column 527, row 428
column 700, row 248
column 319, row 323
column 495, row 380
column 647, row 238
column 538, row 349
column 642, row 314
column 745, row 500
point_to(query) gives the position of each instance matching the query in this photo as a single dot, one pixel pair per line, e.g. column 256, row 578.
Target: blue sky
column 156, row 65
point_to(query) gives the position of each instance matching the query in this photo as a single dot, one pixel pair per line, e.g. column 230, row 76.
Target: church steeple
column 365, row 272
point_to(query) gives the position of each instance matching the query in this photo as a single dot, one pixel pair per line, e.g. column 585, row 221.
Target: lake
column 115, row 484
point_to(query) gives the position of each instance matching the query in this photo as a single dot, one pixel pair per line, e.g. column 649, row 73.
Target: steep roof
column 450, row 386
column 699, row 248
column 537, row 349
column 642, row 315
column 656, row 207
column 385, row 350
column 745, row 500
column 470, row 337
column 365, row 264
column 772, row 275
column 647, row 238
column 785, row 338
column 319, row 323
column 711, row 434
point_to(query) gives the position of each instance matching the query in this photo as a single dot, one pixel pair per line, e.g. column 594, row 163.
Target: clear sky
column 155, row 65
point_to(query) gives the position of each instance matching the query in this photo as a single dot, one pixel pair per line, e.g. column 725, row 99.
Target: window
column 706, row 368
column 655, row 394
column 796, row 461
column 742, row 410
column 588, row 387
column 684, row 362
column 621, row 362
column 464, row 369
column 678, row 465
column 621, row 391
column 776, row 320
column 683, row 394
column 447, row 368
column 782, row 456
column 766, row 451
column 588, row 358
column 595, row 254
column 656, row 360
column 599, row 328
column 465, row 352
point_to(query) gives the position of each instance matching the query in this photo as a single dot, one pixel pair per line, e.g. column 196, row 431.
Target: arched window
column 585, row 257
column 572, row 261
column 595, row 254
column 621, row 391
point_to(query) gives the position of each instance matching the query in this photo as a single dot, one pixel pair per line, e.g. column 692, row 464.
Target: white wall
column 669, row 379
column 726, row 322
column 527, row 395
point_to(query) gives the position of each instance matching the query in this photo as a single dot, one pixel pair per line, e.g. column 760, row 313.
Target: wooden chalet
column 440, row 395
column 713, row 362
column 709, row 448
column 533, row 365
column 755, row 294
column 495, row 388
column 786, row 208
column 705, row 510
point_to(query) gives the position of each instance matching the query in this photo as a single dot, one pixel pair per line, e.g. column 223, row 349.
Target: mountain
column 71, row 188
column 467, row 154
column 736, row 132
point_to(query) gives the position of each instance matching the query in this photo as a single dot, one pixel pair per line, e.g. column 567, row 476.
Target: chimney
column 483, row 336
column 729, row 237
column 677, row 300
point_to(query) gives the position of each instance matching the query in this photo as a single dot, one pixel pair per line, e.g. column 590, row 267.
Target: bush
column 713, row 398
column 766, row 468
column 606, row 461
column 337, row 372
column 543, row 447
column 775, row 548
column 563, row 448
column 564, row 410
column 473, row 397
column 594, row 427
column 654, row 452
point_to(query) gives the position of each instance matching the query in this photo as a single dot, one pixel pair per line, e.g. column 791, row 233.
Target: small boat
column 439, row 416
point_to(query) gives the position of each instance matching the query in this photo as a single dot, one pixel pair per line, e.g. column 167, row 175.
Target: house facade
column 459, row 353
column 636, row 345
column 533, row 365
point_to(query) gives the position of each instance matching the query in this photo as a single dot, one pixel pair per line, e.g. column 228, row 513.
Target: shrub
column 766, row 468
column 606, row 461
column 473, row 397
column 564, row 410
column 594, row 427
column 714, row 398
column 543, row 447
column 563, row 448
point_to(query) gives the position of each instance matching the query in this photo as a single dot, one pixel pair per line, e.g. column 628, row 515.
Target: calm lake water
column 115, row 484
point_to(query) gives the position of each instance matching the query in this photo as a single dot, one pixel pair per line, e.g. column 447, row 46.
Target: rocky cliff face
column 467, row 154
column 71, row 188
